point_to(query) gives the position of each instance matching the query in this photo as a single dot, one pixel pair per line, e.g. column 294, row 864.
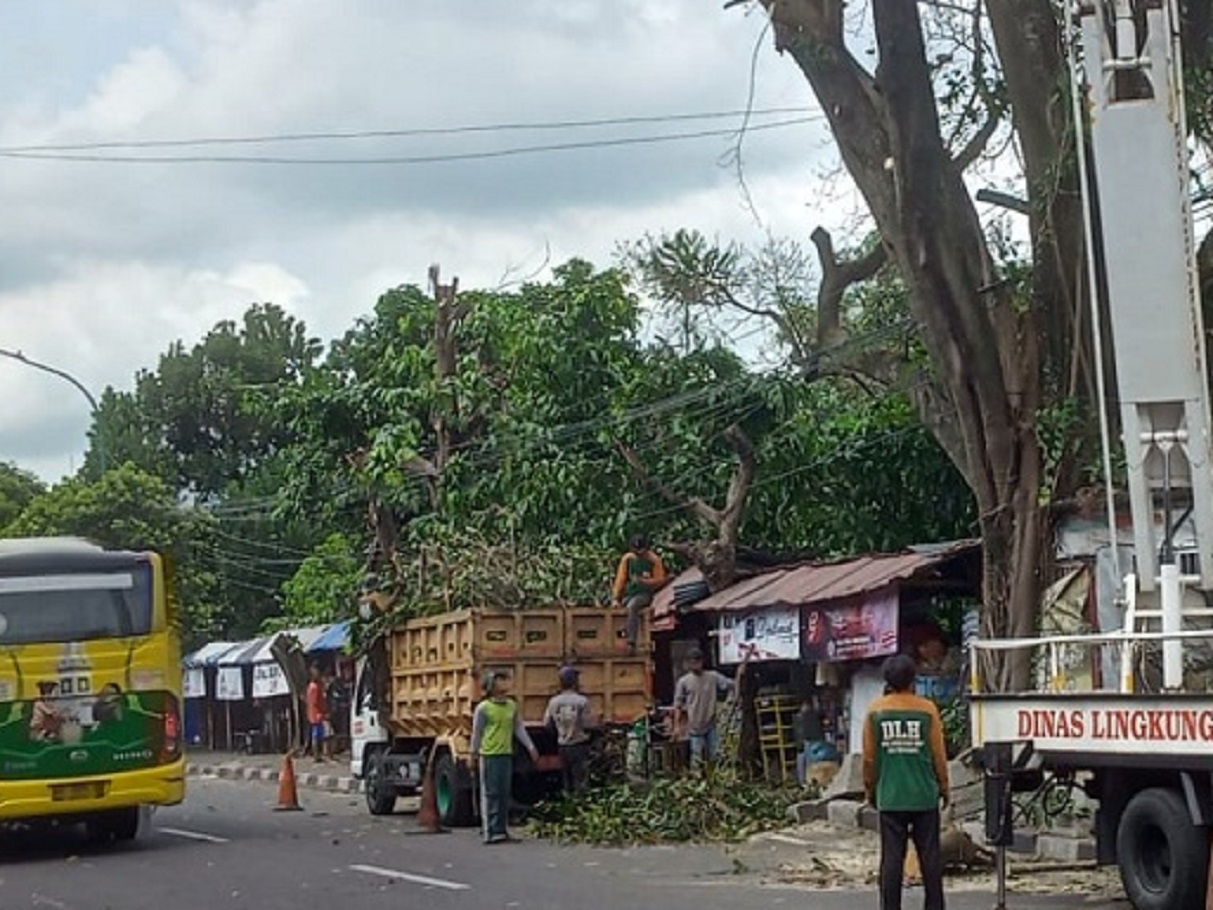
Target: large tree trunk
column 984, row 347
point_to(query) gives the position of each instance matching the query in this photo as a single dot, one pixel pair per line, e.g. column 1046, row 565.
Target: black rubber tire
column 453, row 793
column 1163, row 857
column 380, row 797
column 118, row 826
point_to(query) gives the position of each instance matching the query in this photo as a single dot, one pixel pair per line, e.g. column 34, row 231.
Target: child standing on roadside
column 495, row 726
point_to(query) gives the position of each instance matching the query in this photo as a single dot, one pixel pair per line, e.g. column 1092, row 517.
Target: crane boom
column 1133, row 70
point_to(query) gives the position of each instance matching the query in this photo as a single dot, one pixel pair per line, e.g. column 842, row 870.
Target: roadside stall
column 813, row 638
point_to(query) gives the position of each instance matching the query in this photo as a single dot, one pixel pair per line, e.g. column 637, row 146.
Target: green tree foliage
column 195, row 420
column 483, row 436
column 323, row 588
column 203, row 421
column 17, row 489
column 550, row 383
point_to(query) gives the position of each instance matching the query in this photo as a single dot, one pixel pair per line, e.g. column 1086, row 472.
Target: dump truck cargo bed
column 437, row 663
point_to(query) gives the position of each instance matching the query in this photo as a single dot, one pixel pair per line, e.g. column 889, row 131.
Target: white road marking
column 193, row 835
column 409, row 877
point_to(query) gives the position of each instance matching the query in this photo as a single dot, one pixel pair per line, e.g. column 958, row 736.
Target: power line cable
column 399, row 159
column 348, row 135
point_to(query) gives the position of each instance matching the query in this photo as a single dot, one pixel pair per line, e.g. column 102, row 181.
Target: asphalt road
column 226, row 848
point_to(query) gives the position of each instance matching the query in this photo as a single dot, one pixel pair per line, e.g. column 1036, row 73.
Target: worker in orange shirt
column 640, row 575
column 317, row 714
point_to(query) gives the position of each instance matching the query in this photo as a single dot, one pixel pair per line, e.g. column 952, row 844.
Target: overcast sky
column 103, row 264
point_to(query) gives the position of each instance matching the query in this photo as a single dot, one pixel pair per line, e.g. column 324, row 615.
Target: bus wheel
column 1163, row 857
column 453, row 792
column 380, row 794
column 120, row 825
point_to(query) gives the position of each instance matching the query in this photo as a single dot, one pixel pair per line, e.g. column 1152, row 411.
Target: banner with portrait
column 852, row 630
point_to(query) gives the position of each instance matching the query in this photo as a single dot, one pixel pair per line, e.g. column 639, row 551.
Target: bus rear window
column 75, row 607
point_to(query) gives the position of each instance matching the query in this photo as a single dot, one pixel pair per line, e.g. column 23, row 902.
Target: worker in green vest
column 495, row 726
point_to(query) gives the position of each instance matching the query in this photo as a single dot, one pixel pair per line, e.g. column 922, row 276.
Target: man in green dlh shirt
column 495, row 726
column 905, row 776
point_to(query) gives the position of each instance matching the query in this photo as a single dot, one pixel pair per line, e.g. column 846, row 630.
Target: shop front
column 813, row 639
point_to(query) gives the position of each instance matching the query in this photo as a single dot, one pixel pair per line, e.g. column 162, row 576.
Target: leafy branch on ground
column 719, row 808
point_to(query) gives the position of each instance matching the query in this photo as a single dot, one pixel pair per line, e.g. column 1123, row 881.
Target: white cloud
column 103, row 265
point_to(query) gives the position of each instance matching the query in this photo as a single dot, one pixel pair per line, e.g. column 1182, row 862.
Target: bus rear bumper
column 163, row 785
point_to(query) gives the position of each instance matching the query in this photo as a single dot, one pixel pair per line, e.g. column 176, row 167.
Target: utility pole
column 63, row 374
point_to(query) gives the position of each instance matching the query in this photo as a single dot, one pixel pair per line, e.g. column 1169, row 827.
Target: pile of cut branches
column 719, row 808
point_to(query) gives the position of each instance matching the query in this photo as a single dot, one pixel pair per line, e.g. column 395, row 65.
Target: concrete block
column 1025, row 842
column 1063, row 849
column 848, row 782
column 844, row 812
column 810, row 811
column 226, row 772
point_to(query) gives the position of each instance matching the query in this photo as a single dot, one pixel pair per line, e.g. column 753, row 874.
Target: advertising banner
column 269, row 680
column 193, row 683
column 771, row 634
column 229, row 684
column 75, row 716
column 852, row 631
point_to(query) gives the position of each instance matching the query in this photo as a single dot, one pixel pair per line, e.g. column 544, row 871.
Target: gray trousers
column 635, row 604
column 496, row 781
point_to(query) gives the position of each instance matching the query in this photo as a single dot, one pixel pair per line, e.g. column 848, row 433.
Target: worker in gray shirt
column 695, row 700
column 568, row 714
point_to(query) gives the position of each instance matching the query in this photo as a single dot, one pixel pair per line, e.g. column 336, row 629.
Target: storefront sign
column 269, row 680
column 1156, row 725
column 1129, row 725
column 229, row 684
column 772, row 634
column 193, row 683
column 855, row 631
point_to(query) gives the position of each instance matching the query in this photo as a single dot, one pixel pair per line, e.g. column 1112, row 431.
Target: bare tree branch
column 694, row 504
column 977, row 143
column 1004, row 200
column 739, row 485
column 836, row 277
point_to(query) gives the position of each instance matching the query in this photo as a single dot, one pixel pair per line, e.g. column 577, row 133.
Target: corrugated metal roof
column 803, row 585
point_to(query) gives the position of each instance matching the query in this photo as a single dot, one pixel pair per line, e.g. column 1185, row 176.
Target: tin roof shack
column 819, row 631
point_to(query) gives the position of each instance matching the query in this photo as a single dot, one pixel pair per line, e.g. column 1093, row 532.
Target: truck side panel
column 437, row 663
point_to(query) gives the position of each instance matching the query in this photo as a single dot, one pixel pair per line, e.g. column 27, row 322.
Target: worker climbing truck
column 1141, row 743
column 419, row 684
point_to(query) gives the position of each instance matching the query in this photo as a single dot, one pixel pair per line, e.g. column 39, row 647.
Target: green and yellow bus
column 90, row 686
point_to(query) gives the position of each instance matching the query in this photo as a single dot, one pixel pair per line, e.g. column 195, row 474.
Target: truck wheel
column 380, row 794
column 453, row 793
column 1163, row 857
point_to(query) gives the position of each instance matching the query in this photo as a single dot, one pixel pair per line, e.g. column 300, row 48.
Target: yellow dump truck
column 417, row 688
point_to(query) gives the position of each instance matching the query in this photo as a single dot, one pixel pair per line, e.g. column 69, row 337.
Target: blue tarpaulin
column 334, row 638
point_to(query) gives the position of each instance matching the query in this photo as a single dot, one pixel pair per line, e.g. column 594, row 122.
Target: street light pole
column 63, row 374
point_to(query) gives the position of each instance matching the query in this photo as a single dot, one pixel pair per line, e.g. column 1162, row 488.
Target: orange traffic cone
column 427, row 816
column 288, row 793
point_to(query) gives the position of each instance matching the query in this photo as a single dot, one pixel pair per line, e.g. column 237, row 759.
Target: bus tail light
column 172, row 731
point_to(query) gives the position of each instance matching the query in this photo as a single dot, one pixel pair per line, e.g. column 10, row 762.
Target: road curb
column 312, row 780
